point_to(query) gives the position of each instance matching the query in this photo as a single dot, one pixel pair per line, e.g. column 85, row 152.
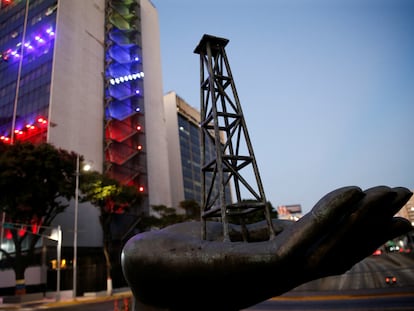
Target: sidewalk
column 66, row 299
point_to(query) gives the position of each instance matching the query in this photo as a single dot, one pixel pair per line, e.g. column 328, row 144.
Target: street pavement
column 294, row 300
column 120, row 295
column 365, row 278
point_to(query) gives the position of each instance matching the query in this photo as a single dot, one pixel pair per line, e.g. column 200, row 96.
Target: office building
column 184, row 150
column 85, row 76
column 80, row 85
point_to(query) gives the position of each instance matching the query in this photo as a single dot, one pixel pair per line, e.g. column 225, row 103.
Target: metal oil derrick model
column 223, row 123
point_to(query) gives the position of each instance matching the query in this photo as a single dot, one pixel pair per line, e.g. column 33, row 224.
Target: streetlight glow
column 86, row 167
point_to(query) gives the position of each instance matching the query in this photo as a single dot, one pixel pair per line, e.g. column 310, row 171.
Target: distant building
column 184, row 153
column 407, row 211
column 289, row 212
column 85, row 76
column 80, row 85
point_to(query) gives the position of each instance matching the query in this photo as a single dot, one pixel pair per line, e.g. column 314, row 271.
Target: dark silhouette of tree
column 164, row 216
column 192, row 209
column 111, row 198
column 255, row 216
column 36, row 183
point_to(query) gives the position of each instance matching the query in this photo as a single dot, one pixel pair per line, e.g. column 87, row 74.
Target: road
column 394, row 302
column 336, row 293
column 369, row 273
column 403, row 302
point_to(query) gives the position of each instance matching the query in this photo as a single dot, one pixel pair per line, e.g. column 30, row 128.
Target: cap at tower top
column 215, row 44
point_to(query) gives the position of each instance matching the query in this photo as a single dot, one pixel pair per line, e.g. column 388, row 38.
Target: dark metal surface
column 223, row 124
column 174, row 269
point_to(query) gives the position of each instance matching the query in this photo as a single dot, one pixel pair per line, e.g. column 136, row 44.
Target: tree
column 255, row 216
column 111, row 198
column 192, row 209
column 165, row 216
column 36, row 183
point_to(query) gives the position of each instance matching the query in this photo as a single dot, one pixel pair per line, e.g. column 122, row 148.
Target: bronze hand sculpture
column 174, row 269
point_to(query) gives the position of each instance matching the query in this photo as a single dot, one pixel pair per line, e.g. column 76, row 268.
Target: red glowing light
column 8, row 234
column 7, row 2
column 22, row 231
column 141, row 189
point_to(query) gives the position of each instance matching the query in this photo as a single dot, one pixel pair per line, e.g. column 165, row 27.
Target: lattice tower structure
column 223, row 123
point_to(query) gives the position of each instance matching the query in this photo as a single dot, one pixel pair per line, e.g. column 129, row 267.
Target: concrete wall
column 32, row 276
column 76, row 104
column 155, row 124
column 174, row 153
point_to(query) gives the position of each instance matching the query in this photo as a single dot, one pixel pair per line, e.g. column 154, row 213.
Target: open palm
column 174, row 269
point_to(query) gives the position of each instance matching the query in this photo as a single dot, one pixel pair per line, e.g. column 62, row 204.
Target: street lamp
column 75, row 227
column 87, row 167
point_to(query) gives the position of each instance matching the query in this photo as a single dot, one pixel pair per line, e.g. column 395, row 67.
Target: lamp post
column 75, row 228
column 59, row 252
column 57, row 236
column 19, row 72
column 87, row 167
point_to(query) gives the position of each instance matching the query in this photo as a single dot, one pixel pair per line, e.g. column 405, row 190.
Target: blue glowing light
column 28, row 46
column 126, row 78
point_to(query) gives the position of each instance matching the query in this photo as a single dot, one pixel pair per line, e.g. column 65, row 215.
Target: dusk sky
column 326, row 86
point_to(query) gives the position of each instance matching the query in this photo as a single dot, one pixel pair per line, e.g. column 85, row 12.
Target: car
column 377, row 252
column 390, row 280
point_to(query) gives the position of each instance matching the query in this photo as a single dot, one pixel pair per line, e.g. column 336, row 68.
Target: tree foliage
column 164, row 216
column 255, row 216
column 36, row 183
column 110, row 197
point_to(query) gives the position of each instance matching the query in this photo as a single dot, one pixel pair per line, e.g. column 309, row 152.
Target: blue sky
column 326, row 86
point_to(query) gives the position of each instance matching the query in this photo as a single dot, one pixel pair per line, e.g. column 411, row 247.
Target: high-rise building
column 85, row 76
column 184, row 150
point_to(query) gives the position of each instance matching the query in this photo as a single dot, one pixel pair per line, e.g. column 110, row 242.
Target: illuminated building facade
column 72, row 74
column 85, row 76
column 26, row 60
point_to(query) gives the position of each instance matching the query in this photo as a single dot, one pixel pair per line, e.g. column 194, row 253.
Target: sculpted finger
column 326, row 214
column 379, row 206
column 372, row 206
column 402, row 197
column 395, row 227
column 343, row 259
column 371, row 224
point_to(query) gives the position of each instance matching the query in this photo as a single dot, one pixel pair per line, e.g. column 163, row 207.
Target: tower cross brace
column 223, row 124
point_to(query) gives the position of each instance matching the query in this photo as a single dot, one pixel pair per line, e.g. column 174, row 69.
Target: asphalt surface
column 365, row 281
